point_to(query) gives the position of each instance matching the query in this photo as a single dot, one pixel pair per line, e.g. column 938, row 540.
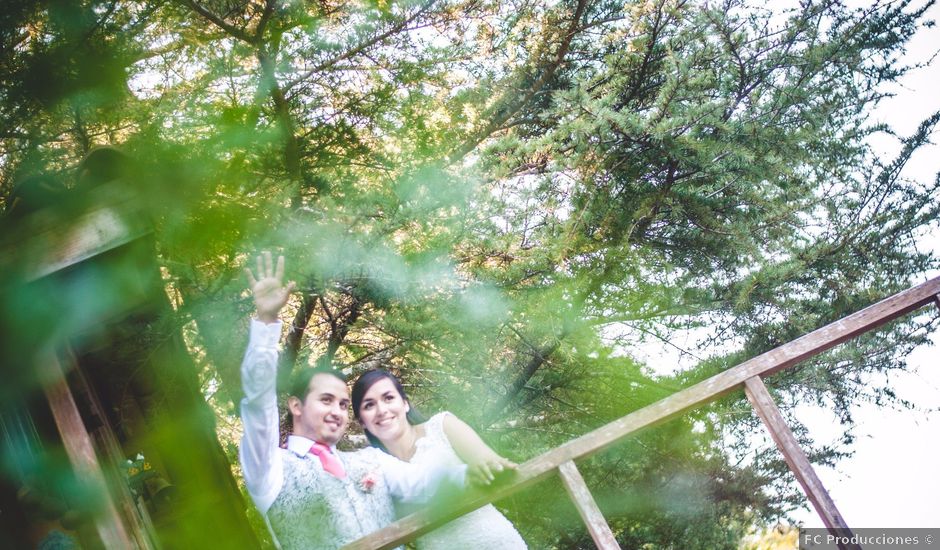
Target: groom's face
column 323, row 415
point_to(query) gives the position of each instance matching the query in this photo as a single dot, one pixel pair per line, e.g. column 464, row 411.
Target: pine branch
column 363, row 46
column 219, row 22
column 516, row 105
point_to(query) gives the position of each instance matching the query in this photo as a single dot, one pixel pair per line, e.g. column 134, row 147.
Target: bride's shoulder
column 434, row 426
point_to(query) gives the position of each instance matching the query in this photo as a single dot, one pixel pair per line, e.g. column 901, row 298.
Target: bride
column 381, row 406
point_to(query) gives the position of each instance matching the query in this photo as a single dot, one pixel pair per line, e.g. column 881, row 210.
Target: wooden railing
column 748, row 375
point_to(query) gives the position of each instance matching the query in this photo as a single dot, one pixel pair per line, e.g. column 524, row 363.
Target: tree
column 504, row 200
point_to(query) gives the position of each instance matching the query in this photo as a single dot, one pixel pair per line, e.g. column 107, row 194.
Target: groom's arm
column 261, row 466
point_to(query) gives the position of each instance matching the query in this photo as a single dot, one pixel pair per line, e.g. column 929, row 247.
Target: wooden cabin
column 105, row 437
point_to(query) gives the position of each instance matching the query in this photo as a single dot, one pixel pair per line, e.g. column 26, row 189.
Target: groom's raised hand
column 268, row 288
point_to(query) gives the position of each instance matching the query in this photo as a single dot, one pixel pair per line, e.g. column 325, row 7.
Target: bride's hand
column 483, row 473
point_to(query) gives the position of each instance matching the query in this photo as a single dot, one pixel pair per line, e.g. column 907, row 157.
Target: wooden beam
column 767, row 410
column 587, row 508
column 136, row 518
column 680, row 402
column 80, row 451
column 51, row 240
column 936, row 300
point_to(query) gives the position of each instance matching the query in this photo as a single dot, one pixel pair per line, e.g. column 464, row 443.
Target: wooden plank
column 680, row 402
column 587, row 508
column 80, row 451
column 52, row 239
column 768, row 412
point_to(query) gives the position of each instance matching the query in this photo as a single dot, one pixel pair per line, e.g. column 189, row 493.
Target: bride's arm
column 483, row 463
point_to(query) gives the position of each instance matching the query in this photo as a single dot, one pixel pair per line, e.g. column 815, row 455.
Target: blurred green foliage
column 504, row 202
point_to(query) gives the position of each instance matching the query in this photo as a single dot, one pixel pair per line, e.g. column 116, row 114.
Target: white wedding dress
column 484, row 528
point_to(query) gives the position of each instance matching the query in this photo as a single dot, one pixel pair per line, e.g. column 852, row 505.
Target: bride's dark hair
column 365, row 381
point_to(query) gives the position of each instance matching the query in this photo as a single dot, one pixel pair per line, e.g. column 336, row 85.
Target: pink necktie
column 329, row 461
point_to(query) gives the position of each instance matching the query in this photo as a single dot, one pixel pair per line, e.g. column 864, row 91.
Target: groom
column 312, row 495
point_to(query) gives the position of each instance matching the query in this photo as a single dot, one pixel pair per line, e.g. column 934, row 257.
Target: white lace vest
column 315, row 510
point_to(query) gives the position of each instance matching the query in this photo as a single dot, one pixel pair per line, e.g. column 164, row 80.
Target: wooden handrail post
column 764, row 404
column 81, row 452
column 587, row 508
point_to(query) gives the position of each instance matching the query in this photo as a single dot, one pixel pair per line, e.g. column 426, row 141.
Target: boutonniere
column 368, row 481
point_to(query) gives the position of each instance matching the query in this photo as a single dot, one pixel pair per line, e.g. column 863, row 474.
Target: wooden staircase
column 748, row 375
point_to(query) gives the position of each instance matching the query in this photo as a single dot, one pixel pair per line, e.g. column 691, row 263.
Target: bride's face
column 383, row 411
